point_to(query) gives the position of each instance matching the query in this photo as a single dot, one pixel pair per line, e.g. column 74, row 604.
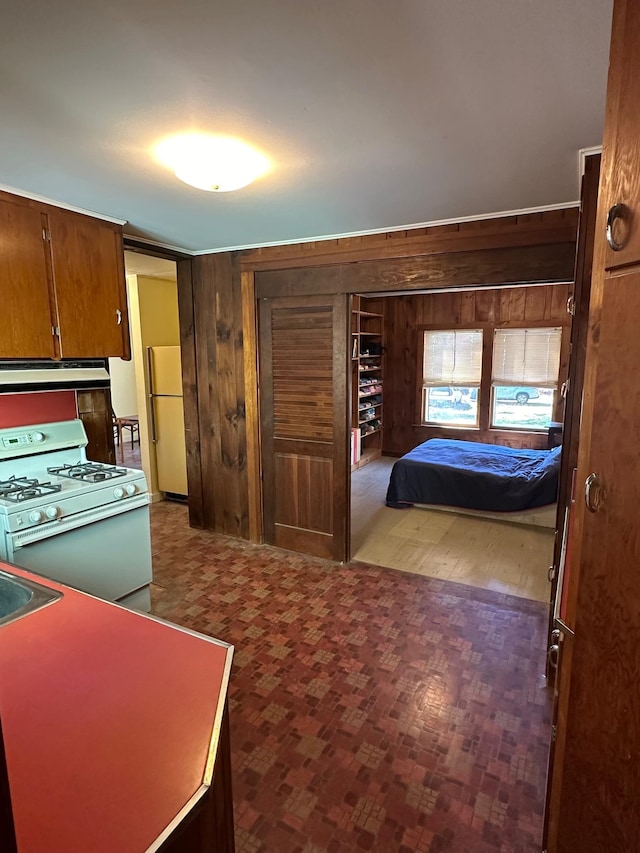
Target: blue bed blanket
column 475, row 476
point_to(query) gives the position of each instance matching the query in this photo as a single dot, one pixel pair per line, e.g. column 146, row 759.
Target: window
column 524, row 377
column 451, row 374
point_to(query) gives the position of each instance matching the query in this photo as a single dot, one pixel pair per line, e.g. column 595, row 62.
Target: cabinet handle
column 593, row 492
column 618, row 211
column 118, row 316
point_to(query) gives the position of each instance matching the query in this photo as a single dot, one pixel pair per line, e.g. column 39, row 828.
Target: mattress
column 474, row 476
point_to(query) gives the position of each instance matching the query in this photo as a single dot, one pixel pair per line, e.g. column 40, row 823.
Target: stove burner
column 90, row 472
column 17, row 489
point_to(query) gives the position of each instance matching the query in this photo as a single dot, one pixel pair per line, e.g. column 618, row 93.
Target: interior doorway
column 147, row 391
column 507, row 553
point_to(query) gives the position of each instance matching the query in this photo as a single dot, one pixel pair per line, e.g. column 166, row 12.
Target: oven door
column 107, row 557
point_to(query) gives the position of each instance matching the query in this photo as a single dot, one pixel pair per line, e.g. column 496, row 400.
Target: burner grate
column 17, row 489
column 89, row 472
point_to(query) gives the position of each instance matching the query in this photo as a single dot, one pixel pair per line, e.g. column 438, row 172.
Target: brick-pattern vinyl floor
column 370, row 709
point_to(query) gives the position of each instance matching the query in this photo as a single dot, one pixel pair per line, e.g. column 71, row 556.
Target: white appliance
column 78, row 522
column 167, row 418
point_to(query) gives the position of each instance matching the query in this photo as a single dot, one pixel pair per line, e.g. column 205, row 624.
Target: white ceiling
column 377, row 113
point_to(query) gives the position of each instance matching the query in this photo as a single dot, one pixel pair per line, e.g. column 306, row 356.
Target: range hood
column 69, row 375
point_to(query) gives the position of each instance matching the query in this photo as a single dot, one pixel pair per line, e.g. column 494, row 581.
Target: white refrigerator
column 167, row 418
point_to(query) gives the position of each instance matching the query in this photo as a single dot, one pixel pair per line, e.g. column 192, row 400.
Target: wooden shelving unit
column 367, row 360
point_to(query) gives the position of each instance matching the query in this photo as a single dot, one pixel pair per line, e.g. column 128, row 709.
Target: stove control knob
column 119, row 492
column 36, row 516
column 131, row 488
column 38, row 437
column 52, row 512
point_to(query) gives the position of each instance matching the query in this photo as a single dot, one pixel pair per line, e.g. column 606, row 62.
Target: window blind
column 452, row 357
column 526, row 357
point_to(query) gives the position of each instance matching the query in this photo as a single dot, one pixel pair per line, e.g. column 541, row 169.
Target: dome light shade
column 212, row 163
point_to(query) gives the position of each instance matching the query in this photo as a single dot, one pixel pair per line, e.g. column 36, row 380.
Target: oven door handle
column 21, row 538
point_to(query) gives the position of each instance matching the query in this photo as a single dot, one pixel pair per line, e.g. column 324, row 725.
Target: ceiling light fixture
column 213, row 163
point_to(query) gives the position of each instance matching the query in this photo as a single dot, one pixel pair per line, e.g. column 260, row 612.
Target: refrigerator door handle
column 152, row 414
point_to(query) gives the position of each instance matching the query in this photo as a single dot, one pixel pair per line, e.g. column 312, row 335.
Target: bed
column 474, row 476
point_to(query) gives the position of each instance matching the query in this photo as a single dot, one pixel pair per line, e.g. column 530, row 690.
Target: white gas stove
column 78, row 522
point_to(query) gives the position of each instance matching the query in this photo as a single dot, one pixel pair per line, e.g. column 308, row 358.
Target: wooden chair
column 121, row 425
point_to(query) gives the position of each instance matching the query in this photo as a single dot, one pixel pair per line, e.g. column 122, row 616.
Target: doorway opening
column 146, row 392
column 504, row 552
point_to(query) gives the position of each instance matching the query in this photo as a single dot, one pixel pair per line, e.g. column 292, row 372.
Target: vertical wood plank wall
column 215, row 426
column 529, row 247
column 94, row 410
column 404, row 315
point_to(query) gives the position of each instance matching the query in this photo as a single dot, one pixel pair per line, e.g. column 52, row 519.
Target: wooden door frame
column 496, row 254
column 186, row 318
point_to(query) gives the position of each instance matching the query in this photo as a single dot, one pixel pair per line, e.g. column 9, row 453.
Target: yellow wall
column 153, row 315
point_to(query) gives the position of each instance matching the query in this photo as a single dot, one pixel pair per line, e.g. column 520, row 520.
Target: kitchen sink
column 19, row 597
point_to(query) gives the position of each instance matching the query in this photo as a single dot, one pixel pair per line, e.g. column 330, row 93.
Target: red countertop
column 109, row 718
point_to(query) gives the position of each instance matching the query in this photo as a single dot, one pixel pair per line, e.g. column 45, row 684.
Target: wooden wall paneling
column 204, row 313
column 252, row 405
column 401, row 371
column 503, row 308
column 221, row 393
column 514, row 265
column 556, row 297
column 341, row 498
column 467, row 307
column 236, row 417
column 485, row 383
column 94, row 410
column 541, row 229
column 517, row 301
column 265, row 339
column 485, row 305
column 402, row 332
column 535, row 302
column 446, row 309
column 186, row 307
column 500, row 251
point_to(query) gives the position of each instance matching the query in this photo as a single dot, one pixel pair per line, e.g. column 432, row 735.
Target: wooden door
column 88, row 272
column 578, row 346
column 304, row 410
column 595, row 783
column 26, row 305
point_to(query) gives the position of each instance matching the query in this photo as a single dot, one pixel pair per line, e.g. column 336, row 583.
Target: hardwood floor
column 496, row 555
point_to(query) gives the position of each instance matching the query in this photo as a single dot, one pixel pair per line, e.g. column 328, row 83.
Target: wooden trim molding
column 186, row 309
column 252, row 404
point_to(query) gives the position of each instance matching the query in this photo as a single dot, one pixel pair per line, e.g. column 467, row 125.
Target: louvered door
column 305, row 428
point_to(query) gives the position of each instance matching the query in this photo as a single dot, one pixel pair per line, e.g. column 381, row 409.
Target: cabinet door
column 621, row 186
column 27, row 330
column 88, row 273
column 595, row 784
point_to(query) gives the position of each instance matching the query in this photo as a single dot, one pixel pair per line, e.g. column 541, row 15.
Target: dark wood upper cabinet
column 24, row 286
column 88, row 274
column 63, row 284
